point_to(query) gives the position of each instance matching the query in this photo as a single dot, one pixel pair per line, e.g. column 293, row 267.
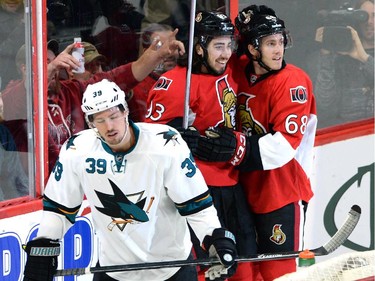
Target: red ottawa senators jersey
column 278, row 113
column 212, row 103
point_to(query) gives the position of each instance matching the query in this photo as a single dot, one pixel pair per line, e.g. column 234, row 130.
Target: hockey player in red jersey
column 213, row 96
column 274, row 152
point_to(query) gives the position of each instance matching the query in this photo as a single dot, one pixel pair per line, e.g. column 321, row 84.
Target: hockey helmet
column 102, row 96
column 255, row 22
column 211, row 24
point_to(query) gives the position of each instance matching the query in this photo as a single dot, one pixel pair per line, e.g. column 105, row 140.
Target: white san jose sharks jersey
column 140, row 200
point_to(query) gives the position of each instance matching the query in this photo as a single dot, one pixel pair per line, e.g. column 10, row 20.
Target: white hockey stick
column 336, row 241
column 185, row 120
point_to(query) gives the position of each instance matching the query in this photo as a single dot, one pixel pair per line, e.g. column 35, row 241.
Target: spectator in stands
column 12, row 37
column 65, row 96
column 344, row 87
column 13, row 180
column 94, row 62
column 16, row 111
column 14, row 95
column 137, row 97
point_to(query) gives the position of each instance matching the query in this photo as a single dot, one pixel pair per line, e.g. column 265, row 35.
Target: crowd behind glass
column 322, row 46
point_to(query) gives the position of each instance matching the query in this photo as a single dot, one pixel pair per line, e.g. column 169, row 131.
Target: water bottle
column 79, row 54
column 306, row 258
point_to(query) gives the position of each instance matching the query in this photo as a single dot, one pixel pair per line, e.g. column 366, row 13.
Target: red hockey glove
column 222, row 145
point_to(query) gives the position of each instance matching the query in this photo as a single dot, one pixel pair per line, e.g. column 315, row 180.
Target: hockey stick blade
column 337, row 240
column 342, row 234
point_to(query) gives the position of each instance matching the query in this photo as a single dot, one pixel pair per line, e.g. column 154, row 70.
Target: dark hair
column 207, row 25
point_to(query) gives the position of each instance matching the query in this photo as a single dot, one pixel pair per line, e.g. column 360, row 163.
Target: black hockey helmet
column 255, row 22
column 211, row 24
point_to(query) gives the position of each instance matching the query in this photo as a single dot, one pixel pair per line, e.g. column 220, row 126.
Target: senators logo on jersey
column 278, row 236
column 228, row 101
column 298, row 94
column 249, row 125
column 163, row 83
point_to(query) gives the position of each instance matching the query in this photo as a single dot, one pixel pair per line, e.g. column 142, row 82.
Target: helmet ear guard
column 89, row 121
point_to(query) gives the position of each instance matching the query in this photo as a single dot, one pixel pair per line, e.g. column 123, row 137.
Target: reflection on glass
column 14, row 151
column 13, row 180
column 344, row 86
column 343, row 74
column 111, row 33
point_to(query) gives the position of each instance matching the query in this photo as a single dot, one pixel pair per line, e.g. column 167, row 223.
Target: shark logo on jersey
column 70, row 142
column 169, row 136
column 119, row 207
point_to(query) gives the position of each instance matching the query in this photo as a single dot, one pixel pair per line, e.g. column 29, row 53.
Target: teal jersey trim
column 195, row 205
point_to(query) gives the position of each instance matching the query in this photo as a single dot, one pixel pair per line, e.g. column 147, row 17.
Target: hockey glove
column 221, row 244
column 41, row 261
column 222, row 145
column 190, row 136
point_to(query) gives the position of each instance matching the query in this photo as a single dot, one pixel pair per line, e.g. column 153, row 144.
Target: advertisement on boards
column 343, row 176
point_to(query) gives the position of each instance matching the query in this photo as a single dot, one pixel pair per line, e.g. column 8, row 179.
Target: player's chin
column 220, row 70
column 113, row 142
column 276, row 65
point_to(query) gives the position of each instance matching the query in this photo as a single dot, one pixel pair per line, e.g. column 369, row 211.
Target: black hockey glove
column 190, row 136
column 222, row 145
column 41, row 261
column 221, row 244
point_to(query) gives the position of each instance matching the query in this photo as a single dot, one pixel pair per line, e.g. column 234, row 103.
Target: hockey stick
column 185, row 120
column 336, row 241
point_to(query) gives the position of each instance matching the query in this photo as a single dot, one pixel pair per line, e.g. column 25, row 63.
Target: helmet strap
column 258, row 58
column 261, row 63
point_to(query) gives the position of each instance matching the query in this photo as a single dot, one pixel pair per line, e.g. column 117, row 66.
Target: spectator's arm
column 155, row 55
column 63, row 60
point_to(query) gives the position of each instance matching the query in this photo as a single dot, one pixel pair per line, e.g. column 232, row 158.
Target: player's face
column 219, row 52
column 91, row 69
column 171, row 61
column 112, row 126
column 272, row 48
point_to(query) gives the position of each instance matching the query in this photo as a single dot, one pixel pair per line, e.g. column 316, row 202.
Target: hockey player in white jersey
column 143, row 187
